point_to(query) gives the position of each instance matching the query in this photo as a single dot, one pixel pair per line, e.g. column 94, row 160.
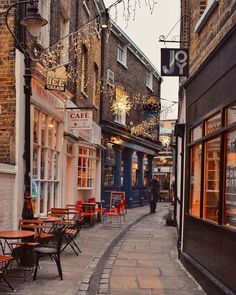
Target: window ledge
column 206, row 14
column 120, row 62
column 149, row 87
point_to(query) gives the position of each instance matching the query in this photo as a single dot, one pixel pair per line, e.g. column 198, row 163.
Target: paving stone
column 123, row 282
column 107, row 270
column 84, row 287
column 104, row 281
column 105, row 276
column 126, row 262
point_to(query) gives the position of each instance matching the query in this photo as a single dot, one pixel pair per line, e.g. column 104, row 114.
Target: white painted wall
column 19, row 125
column 7, row 196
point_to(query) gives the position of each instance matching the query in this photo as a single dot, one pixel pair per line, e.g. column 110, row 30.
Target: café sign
column 56, row 79
column 80, row 119
column 174, row 62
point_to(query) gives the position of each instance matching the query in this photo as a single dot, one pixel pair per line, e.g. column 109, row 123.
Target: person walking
column 155, row 193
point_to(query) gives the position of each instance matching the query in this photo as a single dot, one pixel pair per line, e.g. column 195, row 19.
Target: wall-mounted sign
column 56, row 79
column 80, row 119
column 174, row 62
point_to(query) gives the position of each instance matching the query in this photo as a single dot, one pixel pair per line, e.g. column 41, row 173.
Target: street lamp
column 33, row 22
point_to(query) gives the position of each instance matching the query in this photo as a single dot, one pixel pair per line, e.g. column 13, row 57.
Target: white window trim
column 149, row 82
column 124, row 62
column 206, row 14
column 120, row 119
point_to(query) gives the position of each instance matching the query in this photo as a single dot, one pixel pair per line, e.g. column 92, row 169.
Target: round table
column 51, row 219
column 16, row 234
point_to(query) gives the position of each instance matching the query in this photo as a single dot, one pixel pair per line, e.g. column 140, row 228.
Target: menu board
column 115, row 197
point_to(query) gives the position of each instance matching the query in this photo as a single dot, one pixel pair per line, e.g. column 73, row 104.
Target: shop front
column 127, row 166
column 83, row 160
column 47, row 113
column 209, row 238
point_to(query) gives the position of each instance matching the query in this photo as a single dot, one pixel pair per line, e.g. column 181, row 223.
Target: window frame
column 45, row 152
column 211, row 5
column 88, row 164
column 121, row 55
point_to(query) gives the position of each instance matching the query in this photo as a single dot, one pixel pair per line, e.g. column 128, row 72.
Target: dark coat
column 155, row 188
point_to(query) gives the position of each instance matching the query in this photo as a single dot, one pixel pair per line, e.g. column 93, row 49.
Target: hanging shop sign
column 80, row 119
column 56, row 79
column 174, row 62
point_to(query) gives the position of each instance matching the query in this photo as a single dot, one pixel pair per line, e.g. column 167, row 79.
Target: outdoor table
column 15, row 235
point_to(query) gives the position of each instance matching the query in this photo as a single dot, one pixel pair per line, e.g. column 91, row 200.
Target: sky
column 144, row 27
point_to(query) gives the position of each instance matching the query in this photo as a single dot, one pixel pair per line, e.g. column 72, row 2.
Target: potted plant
column 169, row 218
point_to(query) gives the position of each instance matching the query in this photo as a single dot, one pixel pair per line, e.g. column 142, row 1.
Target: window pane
column 213, row 124
column 230, row 186
column 36, row 126
column 43, row 129
column 35, row 161
column 212, row 179
column 196, row 133
column 42, row 166
column 231, row 114
column 195, row 180
column 50, row 132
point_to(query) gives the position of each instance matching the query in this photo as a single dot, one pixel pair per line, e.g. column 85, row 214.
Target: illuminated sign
column 56, row 79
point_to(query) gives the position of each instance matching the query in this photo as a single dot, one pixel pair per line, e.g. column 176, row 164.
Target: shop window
column 86, row 168
column 212, row 179
column 231, row 114
column 213, row 124
column 45, row 156
column 230, row 181
column 196, row 133
column 195, row 180
column 109, row 166
column 134, row 169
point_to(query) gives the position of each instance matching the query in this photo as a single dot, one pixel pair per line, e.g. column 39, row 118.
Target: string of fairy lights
column 69, row 49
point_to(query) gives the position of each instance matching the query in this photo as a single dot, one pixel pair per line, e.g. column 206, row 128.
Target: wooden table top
column 16, row 234
column 51, row 219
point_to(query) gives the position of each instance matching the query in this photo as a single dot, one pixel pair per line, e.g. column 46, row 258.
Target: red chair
column 115, row 213
column 86, row 211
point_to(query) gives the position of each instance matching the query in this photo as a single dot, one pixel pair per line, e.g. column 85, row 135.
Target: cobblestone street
column 139, row 258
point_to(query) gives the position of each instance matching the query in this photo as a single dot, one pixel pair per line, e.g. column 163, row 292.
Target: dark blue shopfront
column 127, row 166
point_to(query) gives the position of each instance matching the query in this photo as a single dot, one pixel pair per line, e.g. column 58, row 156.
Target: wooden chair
column 71, row 235
column 5, row 260
column 59, row 212
column 37, row 226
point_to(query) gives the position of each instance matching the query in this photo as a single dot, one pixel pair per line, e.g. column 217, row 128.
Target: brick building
column 64, row 162
column 129, row 81
column 206, row 151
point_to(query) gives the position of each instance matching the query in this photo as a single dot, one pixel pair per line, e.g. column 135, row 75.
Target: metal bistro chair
column 5, row 260
column 53, row 250
column 72, row 233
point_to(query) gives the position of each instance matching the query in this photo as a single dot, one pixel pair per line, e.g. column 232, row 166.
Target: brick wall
column 7, row 89
column 219, row 23
column 132, row 78
column 93, row 44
